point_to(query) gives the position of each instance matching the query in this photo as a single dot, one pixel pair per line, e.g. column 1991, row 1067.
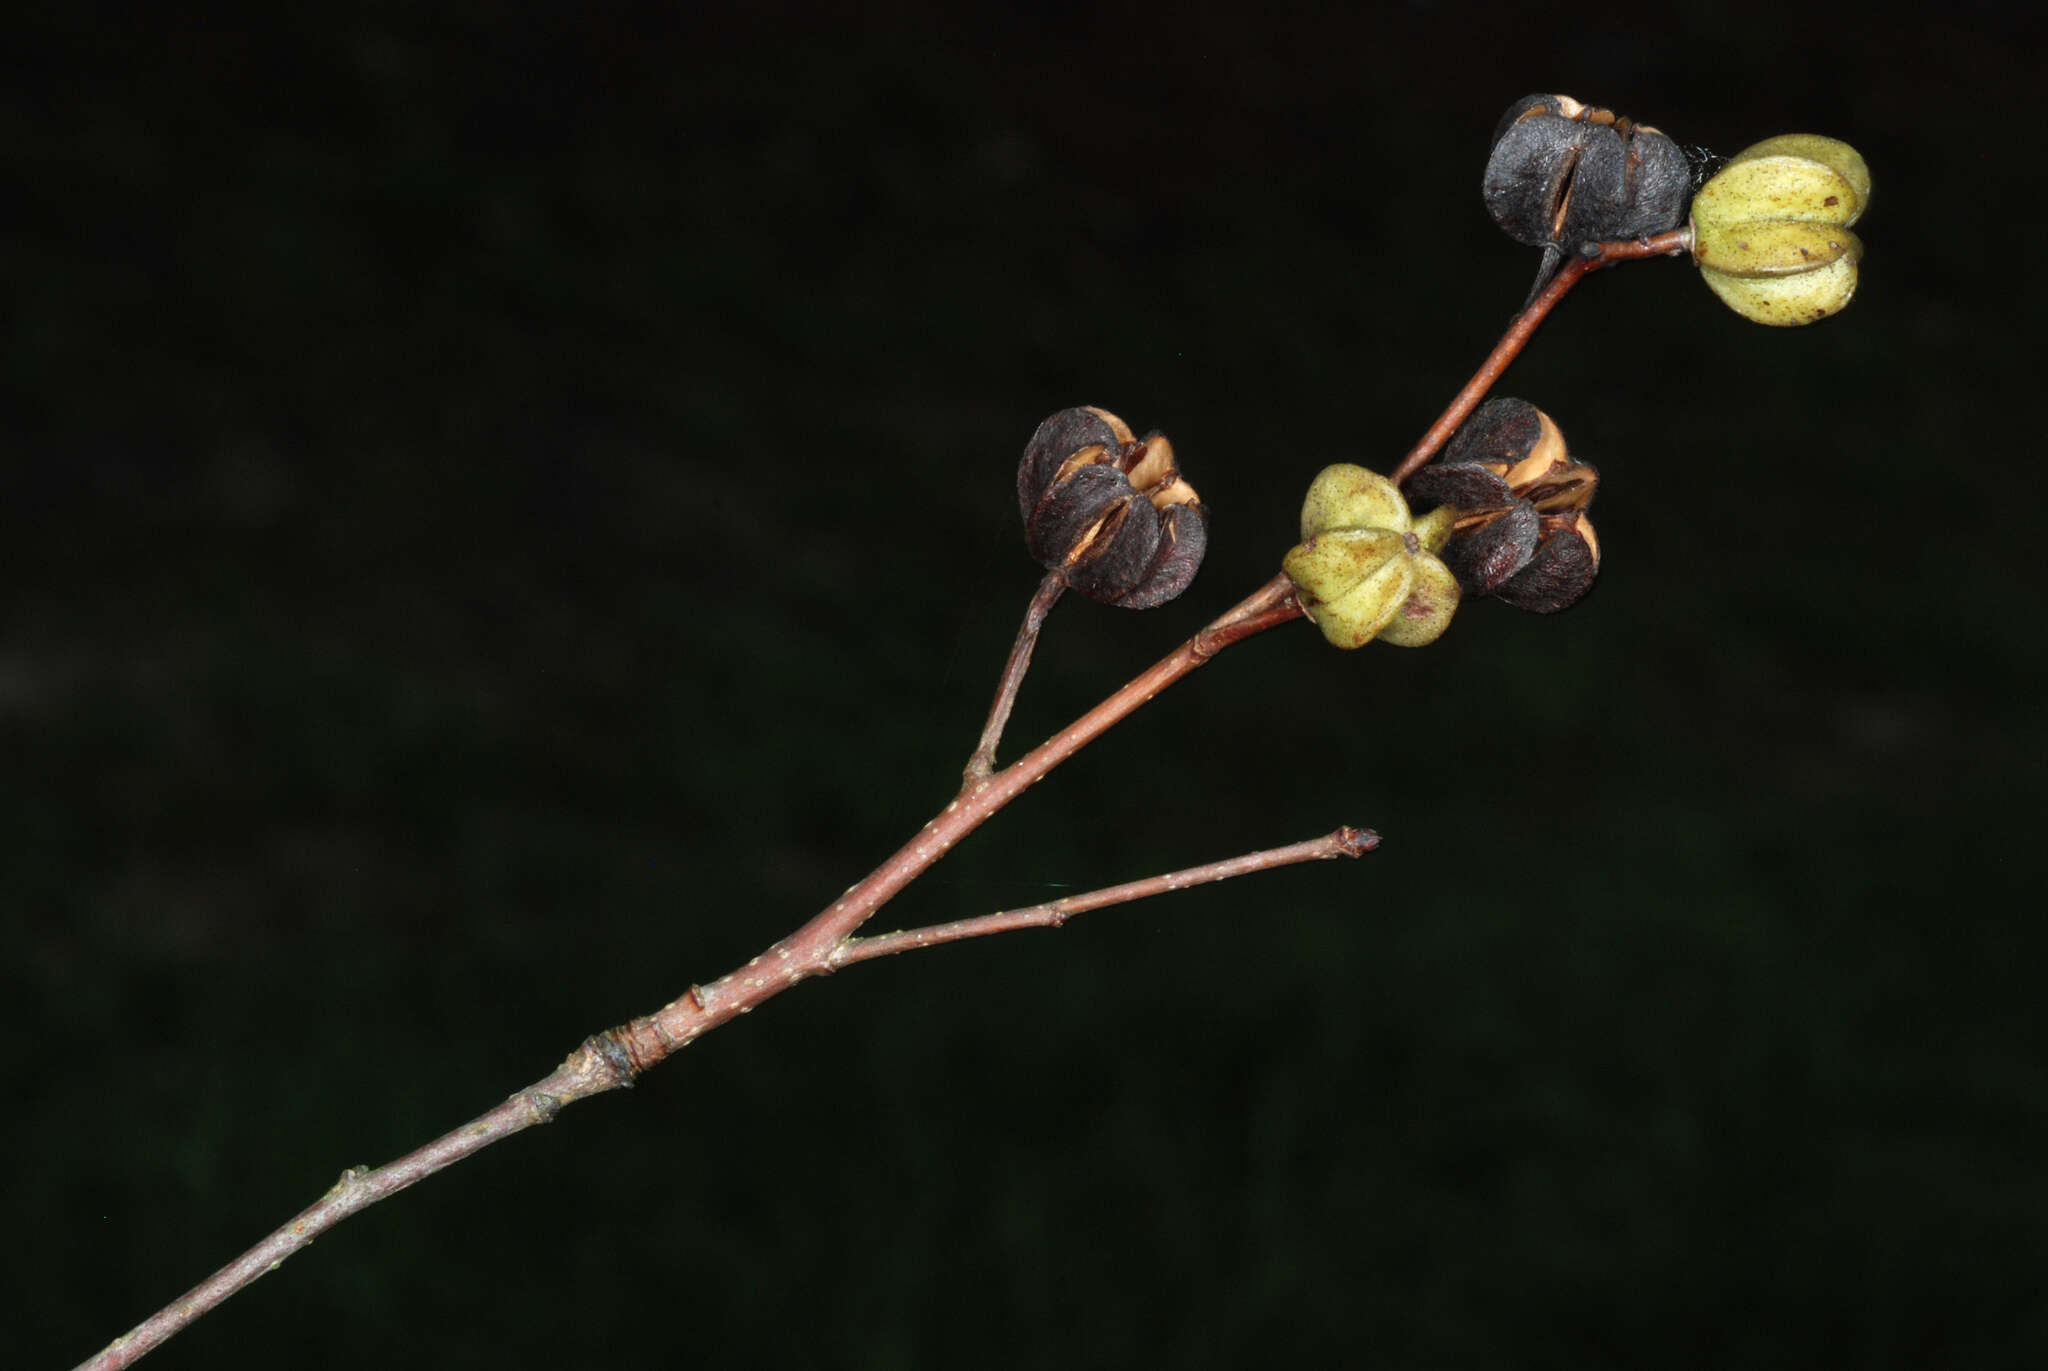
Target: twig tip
column 1356, row 842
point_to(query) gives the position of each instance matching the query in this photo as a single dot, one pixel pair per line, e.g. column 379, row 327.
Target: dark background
column 511, row 512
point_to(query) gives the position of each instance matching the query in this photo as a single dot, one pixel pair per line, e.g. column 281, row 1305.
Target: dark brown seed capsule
column 1485, row 556
column 1109, row 511
column 1521, row 533
column 1563, row 174
column 1562, row 571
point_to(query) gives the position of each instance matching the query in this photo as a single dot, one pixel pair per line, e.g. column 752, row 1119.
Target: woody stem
column 1589, row 258
column 983, row 762
column 613, row 1059
column 1344, row 842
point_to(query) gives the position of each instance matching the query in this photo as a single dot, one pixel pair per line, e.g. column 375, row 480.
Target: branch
column 613, row 1059
column 983, row 762
column 807, row 951
column 1345, row 842
column 591, row 1069
column 1589, row 258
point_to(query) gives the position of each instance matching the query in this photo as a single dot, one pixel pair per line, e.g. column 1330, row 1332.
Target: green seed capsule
column 1786, row 301
column 1425, row 612
column 1347, row 496
column 1831, row 153
column 1364, row 568
column 1771, row 231
column 1773, row 247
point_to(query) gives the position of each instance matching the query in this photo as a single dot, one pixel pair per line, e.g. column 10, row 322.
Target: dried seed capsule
column 1492, row 551
column 1364, row 568
column 1516, row 500
column 1566, row 560
column 1109, row 511
column 1771, row 230
column 1564, row 173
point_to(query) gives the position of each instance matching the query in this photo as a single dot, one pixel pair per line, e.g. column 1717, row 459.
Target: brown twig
column 1590, row 258
column 1345, row 842
column 591, row 1069
column 808, row 951
column 983, row 762
column 613, row 1059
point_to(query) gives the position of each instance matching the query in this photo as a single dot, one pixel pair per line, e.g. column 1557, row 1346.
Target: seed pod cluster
column 1771, row 230
column 1364, row 569
column 1518, row 503
column 1110, row 511
column 1563, row 173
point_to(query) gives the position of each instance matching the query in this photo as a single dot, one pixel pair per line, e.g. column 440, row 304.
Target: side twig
column 983, row 762
column 1345, row 842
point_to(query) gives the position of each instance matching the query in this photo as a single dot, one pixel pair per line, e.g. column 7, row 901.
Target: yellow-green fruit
column 1832, row 153
column 1436, row 527
column 1365, row 569
column 1771, row 231
column 1347, row 496
column 1773, row 247
column 1352, row 581
column 1787, row 301
column 1426, row 611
